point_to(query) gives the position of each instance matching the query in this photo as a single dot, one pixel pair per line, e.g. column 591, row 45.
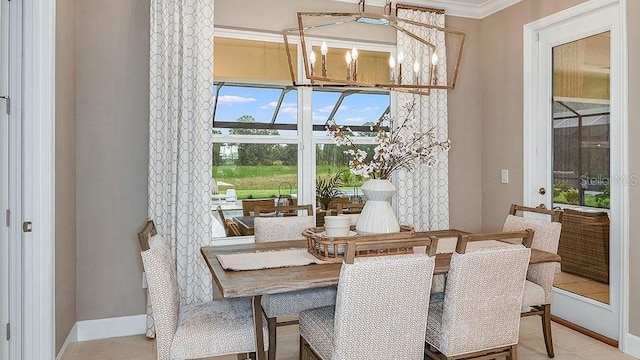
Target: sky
column 260, row 103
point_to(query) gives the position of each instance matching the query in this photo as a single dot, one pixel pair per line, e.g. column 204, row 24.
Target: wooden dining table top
column 235, row 284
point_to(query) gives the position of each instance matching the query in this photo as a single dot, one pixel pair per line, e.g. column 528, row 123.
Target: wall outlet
column 504, row 176
column 144, row 280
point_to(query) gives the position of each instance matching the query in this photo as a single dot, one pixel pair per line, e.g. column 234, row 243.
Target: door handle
column 542, row 206
column 542, row 191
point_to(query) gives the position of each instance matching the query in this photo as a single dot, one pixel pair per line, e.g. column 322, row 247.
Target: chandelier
column 329, row 60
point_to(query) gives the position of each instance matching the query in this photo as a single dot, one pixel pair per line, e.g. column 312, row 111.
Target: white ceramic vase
column 377, row 216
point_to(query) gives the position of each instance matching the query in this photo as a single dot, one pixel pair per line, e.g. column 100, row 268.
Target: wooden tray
column 332, row 249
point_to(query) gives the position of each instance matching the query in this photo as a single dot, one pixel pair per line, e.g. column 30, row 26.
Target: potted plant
column 327, row 189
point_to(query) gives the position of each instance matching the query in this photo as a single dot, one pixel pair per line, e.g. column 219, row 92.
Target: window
column 269, row 137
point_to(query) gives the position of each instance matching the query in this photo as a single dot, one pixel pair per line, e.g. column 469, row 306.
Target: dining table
column 256, row 283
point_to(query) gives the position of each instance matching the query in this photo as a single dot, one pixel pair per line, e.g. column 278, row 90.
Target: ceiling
column 476, row 9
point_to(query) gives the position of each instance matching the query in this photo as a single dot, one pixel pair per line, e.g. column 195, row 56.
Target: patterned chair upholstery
column 290, row 303
column 480, row 311
column 537, row 291
column 197, row 330
column 380, row 312
column 281, row 228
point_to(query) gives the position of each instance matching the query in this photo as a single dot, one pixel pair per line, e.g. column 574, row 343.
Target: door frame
column 537, row 88
column 32, row 58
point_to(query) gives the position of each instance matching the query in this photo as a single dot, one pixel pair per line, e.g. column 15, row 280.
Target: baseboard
column 111, row 327
column 632, row 345
column 71, row 338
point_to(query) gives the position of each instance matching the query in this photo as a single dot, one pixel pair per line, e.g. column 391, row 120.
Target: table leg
column 257, row 322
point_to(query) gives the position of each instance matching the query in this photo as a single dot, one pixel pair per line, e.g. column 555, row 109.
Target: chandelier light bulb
column 392, row 62
column 434, row 59
column 348, row 58
column 400, row 58
column 416, row 66
column 354, row 54
column 312, row 57
column 323, row 48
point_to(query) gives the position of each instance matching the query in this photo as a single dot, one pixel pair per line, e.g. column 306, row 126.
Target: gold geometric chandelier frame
column 321, row 78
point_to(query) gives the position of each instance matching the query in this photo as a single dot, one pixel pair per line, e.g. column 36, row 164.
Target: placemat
column 267, row 259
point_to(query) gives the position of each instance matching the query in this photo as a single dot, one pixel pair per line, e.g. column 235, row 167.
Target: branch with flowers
column 405, row 147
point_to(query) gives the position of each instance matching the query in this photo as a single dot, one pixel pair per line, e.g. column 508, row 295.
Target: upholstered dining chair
column 537, row 291
column 290, row 303
column 191, row 331
column 380, row 311
column 479, row 315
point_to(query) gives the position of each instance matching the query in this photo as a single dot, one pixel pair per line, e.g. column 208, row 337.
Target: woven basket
column 584, row 244
column 333, row 249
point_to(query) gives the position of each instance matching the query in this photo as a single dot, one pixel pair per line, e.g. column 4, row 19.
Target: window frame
column 305, row 139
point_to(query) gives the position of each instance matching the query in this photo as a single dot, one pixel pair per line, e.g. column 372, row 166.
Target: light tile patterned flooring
column 569, row 345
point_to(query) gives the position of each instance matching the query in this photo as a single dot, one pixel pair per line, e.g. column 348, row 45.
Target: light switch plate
column 504, row 175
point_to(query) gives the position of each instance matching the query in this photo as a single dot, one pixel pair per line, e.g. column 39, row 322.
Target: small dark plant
column 327, row 189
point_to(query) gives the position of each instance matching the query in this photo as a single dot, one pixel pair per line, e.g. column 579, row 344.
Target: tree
column 254, row 154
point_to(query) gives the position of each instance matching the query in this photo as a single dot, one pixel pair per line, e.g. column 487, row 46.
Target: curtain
column 180, row 121
column 422, row 198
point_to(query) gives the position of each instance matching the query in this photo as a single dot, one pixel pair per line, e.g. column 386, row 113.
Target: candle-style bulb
column 392, row 62
column 400, row 58
column 312, row 57
column 434, row 59
column 416, row 66
column 348, row 59
column 323, row 48
column 354, row 54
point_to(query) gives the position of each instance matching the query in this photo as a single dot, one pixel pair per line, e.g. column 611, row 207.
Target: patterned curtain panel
column 181, row 112
column 423, row 195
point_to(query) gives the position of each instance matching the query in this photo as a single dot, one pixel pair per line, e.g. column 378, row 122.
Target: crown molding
column 452, row 7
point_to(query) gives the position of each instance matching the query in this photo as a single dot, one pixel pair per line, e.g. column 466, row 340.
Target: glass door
column 573, row 160
column 581, row 163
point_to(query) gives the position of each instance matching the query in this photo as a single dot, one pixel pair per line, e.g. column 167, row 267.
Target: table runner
column 267, row 259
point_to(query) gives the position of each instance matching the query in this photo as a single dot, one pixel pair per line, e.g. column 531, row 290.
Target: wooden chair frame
column 556, row 215
column 544, row 311
column 504, row 236
column 288, row 210
column 148, row 230
column 249, row 204
column 232, row 228
column 349, row 207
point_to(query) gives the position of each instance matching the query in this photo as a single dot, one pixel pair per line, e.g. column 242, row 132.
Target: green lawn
column 263, row 181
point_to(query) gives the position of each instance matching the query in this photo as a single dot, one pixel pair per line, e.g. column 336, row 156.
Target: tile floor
column 569, row 345
column 583, row 286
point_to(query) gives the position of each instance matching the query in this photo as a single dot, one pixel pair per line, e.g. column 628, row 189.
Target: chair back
column 232, row 228
column 148, row 230
column 164, row 296
column 350, row 208
column 483, row 297
column 285, row 210
column 281, row 228
column 248, row 205
column 546, row 238
column 381, row 307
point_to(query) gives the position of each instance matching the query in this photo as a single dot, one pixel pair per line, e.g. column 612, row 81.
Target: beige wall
column 111, row 155
column 465, row 132
column 65, row 162
column 501, row 91
column 634, row 165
